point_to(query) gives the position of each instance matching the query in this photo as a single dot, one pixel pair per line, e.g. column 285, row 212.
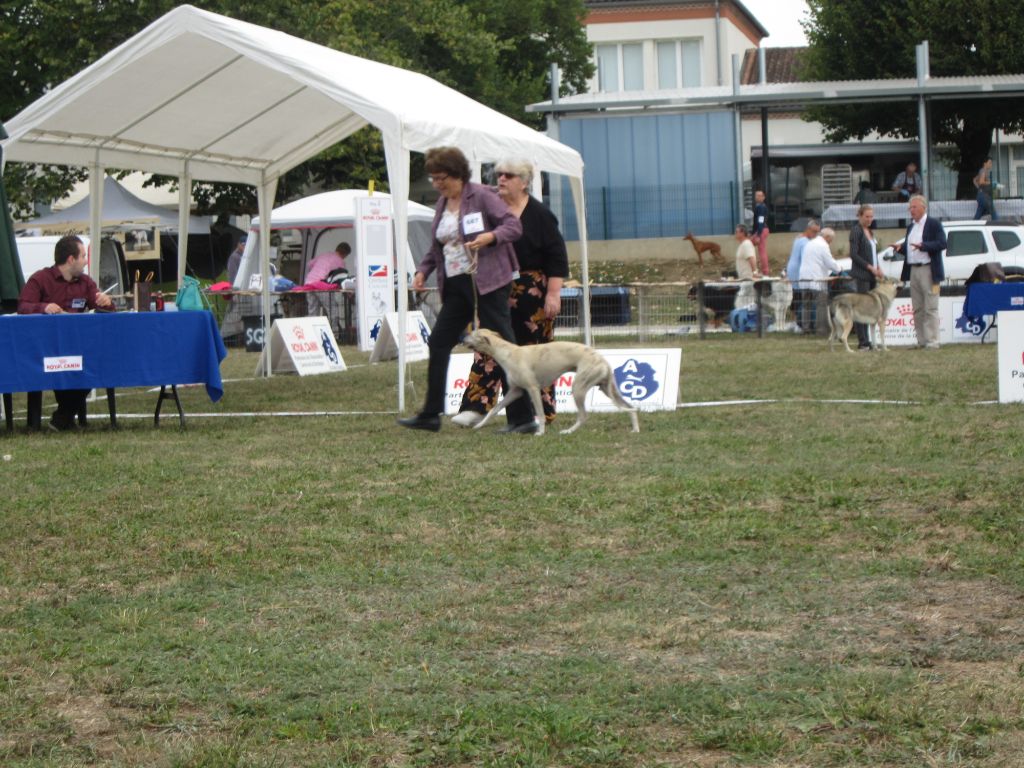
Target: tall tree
column 874, row 39
column 478, row 47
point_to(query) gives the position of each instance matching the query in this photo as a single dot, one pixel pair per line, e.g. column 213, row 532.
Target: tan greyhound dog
column 529, row 368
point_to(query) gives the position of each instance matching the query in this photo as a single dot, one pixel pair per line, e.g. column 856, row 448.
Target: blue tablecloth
column 989, row 298
column 123, row 349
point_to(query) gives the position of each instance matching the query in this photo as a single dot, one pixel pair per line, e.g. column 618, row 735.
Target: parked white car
column 970, row 243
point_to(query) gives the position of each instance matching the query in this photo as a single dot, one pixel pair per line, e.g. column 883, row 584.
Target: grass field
column 798, row 583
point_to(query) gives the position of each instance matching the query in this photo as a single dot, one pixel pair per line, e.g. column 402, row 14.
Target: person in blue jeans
column 983, row 182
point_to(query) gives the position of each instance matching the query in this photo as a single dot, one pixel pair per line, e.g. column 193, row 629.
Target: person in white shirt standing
column 924, row 270
column 746, row 256
column 816, row 264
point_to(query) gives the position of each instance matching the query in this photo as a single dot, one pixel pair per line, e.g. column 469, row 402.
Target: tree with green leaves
column 876, row 39
column 479, row 47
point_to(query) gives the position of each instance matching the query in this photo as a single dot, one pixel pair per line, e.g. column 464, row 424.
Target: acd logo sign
column 635, row 380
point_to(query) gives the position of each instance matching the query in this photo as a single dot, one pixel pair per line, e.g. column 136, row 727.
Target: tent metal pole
column 264, row 201
column 96, row 173
column 579, row 199
column 923, row 75
column 184, row 196
column 396, row 157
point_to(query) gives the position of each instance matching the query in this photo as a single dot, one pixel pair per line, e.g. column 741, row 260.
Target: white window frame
column 620, row 75
column 679, row 72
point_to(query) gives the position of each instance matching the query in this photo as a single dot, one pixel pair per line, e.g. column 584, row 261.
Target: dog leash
column 474, row 261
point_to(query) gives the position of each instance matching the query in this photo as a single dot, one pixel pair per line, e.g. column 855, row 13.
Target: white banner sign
column 385, row 337
column 62, row 364
column 302, row 345
column 899, row 325
column 1011, row 357
column 375, row 270
column 647, row 379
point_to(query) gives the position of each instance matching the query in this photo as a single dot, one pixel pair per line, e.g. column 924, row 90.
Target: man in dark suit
column 924, row 270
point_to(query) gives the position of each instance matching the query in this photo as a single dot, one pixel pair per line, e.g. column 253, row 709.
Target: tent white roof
column 242, row 103
column 120, row 206
column 327, row 208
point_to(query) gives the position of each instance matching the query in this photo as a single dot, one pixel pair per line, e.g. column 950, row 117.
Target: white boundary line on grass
column 299, row 414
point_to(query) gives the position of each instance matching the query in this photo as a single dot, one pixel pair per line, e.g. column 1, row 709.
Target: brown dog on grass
column 704, row 245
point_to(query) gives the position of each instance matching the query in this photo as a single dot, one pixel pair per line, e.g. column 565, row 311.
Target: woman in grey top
column 864, row 268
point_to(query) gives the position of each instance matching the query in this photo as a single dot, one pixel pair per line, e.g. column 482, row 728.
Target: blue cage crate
column 609, row 305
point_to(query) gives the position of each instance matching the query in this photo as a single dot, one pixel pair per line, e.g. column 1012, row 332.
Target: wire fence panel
column 652, row 311
column 625, row 213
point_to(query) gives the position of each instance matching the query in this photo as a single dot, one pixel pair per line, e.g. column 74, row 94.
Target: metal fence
column 646, row 311
column 639, row 311
column 239, row 314
column 630, row 212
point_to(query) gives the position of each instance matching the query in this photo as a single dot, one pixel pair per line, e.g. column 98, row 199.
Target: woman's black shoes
column 429, row 422
column 526, row 428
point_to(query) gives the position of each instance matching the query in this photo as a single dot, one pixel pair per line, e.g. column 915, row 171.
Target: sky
column 782, row 20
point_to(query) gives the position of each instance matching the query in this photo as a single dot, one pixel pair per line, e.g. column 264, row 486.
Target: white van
column 37, row 253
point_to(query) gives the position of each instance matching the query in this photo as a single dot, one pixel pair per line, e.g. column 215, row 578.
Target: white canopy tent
column 119, row 206
column 201, row 96
column 327, row 210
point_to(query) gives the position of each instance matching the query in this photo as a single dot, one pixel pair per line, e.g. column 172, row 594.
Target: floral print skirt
column 526, row 304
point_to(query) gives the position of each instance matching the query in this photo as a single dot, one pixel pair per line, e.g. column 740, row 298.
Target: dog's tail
column 611, row 390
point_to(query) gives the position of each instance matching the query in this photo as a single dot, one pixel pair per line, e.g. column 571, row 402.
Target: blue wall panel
column 653, row 175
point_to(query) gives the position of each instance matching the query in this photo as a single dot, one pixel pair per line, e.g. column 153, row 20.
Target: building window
column 627, row 58
column 679, row 64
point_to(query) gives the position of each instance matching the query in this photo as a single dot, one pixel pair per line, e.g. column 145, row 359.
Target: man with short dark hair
column 64, row 288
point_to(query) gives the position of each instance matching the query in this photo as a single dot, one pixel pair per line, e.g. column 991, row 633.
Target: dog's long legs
column 579, row 394
column 538, row 410
column 514, row 393
column 611, row 391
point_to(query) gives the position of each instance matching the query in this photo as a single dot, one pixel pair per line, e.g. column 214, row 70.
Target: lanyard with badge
column 473, row 224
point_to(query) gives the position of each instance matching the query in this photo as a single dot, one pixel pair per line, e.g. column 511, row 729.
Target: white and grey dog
column 871, row 308
column 777, row 302
column 530, row 368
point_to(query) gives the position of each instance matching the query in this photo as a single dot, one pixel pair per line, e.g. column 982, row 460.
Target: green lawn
column 800, row 583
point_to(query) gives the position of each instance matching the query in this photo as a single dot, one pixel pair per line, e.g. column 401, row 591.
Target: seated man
column 55, row 290
column 908, row 183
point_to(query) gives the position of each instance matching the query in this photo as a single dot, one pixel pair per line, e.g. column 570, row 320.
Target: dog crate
column 609, row 305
